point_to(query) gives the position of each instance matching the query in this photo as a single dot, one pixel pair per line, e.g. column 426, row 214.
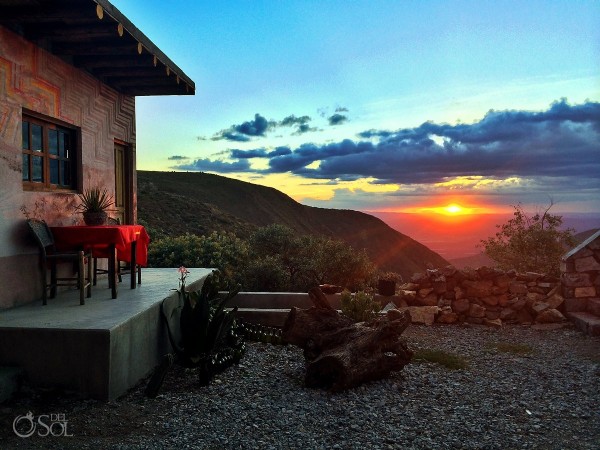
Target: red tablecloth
column 102, row 236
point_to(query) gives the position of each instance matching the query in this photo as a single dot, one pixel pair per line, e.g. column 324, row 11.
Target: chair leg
column 95, row 270
column 81, row 276
column 89, row 277
column 139, row 274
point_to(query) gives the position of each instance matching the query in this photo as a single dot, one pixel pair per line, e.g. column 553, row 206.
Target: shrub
column 360, row 307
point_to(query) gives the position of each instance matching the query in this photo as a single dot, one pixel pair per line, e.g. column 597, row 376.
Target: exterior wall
column 36, row 80
column 580, row 277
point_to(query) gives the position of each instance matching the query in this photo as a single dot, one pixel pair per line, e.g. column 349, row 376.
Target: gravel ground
column 547, row 399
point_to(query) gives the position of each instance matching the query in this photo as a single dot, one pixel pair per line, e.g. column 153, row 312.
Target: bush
column 223, row 251
column 530, row 243
column 360, row 307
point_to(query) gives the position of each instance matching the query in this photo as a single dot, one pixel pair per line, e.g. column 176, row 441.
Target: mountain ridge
column 200, row 203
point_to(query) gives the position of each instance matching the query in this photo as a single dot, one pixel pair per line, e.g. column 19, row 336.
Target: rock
column 508, row 314
column 387, row 307
column 447, row 317
column 424, row 292
column 422, row 314
column 550, row 316
column 523, row 316
column 480, row 288
column 587, row 264
column 491, row 314
column 494, row 323
column 518, row 288
column 490, row 301
column 476, row 311
column 539, row 307
column 555, row 300
column 461, row 305
column 430, row 300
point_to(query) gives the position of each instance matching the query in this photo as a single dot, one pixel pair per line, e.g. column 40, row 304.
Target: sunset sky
column 383, row 105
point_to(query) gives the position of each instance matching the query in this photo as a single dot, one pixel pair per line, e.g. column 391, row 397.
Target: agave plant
column 94, row 200
column 211, row 338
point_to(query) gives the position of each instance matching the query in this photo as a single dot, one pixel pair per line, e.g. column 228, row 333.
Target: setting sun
column 454, row 209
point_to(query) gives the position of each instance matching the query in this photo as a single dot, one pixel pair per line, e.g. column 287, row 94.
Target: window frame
column 73, row 158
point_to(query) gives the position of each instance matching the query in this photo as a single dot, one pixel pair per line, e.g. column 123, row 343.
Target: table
column 127, row 243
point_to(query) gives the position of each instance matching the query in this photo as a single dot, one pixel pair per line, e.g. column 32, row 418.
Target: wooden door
column 122, row 184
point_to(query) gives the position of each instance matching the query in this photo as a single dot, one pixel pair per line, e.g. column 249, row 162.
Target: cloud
column 301, row 124
column 206, row 165
column 337, row 119
column 177, row 158
column 559, row 144
column 246, row 130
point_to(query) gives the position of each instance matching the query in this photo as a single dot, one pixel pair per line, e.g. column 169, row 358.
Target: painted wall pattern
column 33, row 79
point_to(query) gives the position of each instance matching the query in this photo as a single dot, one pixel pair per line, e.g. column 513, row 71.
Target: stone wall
column 482, row 296
column 580, row 279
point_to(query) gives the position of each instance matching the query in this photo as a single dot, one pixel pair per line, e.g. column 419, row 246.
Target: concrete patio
column 100, row 349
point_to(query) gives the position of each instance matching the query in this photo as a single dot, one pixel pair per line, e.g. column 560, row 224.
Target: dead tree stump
column 341, row 354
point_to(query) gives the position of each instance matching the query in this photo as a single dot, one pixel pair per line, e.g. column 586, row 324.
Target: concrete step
column 10, row 381
column 586, row 322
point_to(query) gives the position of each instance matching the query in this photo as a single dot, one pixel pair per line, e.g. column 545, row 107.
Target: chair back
column 42, row 233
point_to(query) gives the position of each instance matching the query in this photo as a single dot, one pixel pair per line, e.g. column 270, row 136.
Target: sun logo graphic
column 45, row 424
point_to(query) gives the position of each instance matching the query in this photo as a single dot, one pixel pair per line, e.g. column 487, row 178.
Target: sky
column 403, row 106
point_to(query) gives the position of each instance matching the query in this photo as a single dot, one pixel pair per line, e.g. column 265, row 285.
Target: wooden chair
column 49, row 256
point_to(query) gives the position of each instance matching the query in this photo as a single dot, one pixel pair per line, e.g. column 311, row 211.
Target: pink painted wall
column 36, row 80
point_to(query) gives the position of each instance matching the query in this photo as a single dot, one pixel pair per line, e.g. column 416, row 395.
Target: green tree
column 530, row 243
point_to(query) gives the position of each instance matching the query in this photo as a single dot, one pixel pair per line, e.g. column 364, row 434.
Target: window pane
column 26, row 135
column 38, row 173
column 54, row 171
column 25, row 167
column 36, row 137
column 53, row 142
column 61, row 144
column 65, row 173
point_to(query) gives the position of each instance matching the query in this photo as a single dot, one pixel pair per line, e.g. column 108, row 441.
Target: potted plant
column 94, row 204
column 387, row 283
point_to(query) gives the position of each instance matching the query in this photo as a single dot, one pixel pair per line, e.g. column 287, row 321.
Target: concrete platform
column 100, row 349
column 587, row 322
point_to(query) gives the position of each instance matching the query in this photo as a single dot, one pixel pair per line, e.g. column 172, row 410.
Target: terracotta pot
column 386, row 287
column 95, row 218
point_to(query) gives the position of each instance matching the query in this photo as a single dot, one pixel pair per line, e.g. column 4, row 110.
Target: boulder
column 550, row 316
column 461, row 305
column 494, row 323
column 476, row 310
column 422, row 314
column 447, row 317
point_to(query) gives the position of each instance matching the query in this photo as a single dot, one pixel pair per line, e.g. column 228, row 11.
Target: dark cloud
column 246, row 130
column 293, row 120
column 177, row 158
column 206, row 165
column 337, row 119
column 248, row 154
column 341, row 109
column 558, row 143
column 301, row 124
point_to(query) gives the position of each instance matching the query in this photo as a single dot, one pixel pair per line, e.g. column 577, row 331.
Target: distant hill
column 199, row 203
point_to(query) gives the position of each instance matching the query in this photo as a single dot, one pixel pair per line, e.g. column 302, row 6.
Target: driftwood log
column 340, row 354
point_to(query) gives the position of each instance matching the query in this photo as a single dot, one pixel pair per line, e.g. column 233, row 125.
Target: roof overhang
column 94, row 36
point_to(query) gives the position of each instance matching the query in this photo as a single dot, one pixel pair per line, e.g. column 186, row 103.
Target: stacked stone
column 581, row 277
column 482, row 296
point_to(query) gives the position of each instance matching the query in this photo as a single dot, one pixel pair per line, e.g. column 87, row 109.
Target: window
column 49, row 155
